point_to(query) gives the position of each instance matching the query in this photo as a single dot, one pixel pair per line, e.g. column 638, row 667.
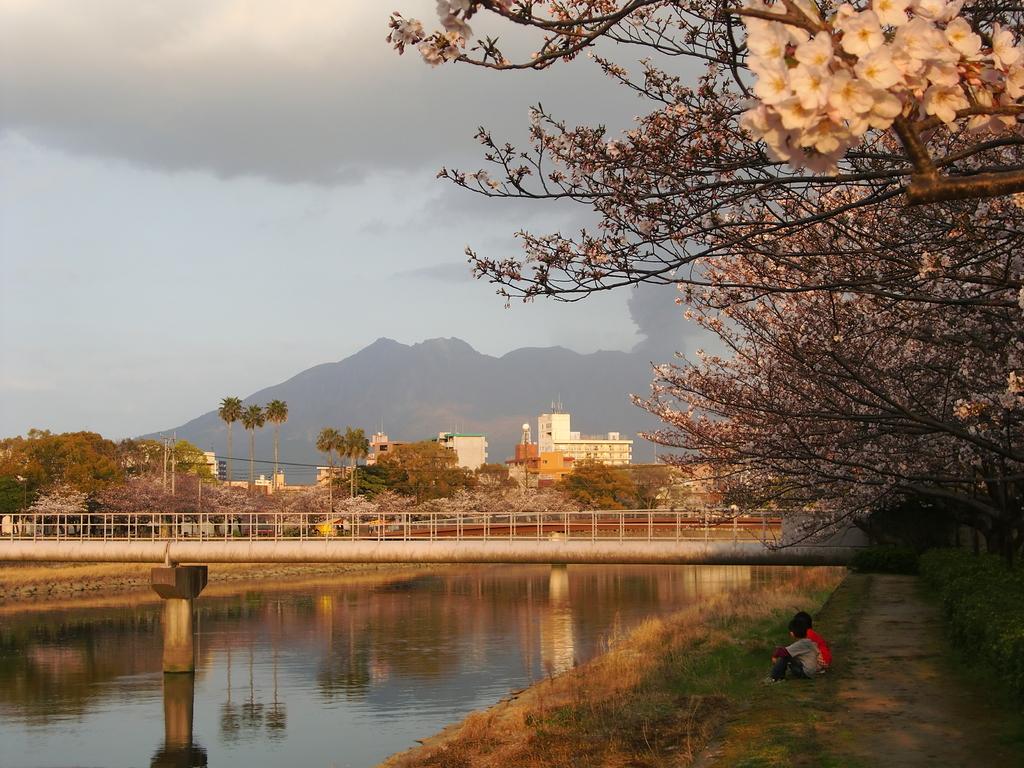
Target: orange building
column 534, row 469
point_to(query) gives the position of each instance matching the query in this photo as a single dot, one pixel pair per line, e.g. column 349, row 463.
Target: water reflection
column 557, row 644
column 178, row 750
column 360, row 668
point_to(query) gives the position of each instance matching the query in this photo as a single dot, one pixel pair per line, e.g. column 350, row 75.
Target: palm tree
column 277, row 413
column 230, row 411
column 252, row 419
column 356, row 447
column 328, row 441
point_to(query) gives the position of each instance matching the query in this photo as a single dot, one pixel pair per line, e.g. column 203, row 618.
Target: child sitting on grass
column 799, row 658
column 824, row 652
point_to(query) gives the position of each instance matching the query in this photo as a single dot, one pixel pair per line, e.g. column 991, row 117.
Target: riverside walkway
column 707, row 537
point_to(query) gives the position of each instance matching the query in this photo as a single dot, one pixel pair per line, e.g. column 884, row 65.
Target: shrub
column 885, row 560
column 983, row 602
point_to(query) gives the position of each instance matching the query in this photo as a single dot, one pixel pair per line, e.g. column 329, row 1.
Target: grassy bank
column 655, row 699
column 32, row 582
column 897, row 695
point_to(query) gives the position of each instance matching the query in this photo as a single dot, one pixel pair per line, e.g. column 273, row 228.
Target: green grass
column 781, row 725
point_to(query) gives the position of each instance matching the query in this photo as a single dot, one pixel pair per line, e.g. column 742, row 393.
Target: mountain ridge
column 437, row 385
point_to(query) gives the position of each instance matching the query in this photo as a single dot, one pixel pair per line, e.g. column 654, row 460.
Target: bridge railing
column 622, row 525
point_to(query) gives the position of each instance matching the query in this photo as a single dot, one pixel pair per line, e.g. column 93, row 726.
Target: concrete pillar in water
column 179, row 585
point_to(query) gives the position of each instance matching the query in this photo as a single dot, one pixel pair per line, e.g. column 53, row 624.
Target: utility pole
column 174, row 459
column 163, row 483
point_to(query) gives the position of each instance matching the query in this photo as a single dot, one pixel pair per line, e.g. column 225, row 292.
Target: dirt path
column 897, row 695
column 901, row 700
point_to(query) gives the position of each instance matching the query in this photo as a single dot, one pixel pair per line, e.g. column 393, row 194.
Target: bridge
column 705, row 537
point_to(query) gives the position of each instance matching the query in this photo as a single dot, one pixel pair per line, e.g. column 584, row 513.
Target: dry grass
column 652, row 701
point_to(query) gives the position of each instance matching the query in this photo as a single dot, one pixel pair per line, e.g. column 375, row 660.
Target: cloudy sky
column 204, row 197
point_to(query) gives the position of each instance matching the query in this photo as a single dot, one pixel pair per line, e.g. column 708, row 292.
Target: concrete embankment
column 32, row 582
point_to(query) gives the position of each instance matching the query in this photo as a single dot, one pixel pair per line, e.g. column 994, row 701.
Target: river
column 337, row 672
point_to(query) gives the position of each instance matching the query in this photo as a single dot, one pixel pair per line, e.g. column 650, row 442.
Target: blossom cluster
column 443, row 45
column 822, row 84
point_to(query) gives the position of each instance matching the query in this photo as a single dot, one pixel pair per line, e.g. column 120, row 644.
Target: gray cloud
column 448, row 272
column 306, row 91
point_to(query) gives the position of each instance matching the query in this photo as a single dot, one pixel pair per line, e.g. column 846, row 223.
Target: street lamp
column 24, row 491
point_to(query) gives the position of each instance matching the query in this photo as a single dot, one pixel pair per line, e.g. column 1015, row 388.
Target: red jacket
column 823, row 649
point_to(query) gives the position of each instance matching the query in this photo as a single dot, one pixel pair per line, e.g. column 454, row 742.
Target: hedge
column 983, row 602
column 885, row 560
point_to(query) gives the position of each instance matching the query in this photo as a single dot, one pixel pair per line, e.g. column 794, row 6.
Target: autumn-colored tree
column 598, row 486
column 84, row 461
column 426, row 470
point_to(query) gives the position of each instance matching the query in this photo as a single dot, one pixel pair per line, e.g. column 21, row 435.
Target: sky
column 205, row 197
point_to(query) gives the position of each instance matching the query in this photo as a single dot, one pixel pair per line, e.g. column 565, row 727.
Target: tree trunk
column 229, row 453
column 277, row 440
column 252, row 450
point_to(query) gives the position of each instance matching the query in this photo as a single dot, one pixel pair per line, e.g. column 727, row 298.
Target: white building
column 554, row 435
column 471, row 448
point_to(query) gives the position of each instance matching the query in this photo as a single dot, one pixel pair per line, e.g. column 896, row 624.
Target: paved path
column 901, row 700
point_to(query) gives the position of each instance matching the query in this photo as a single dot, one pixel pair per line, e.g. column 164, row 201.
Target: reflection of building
column 557, row 639
column 471, row 448
column 381, row 446
column 555, row 435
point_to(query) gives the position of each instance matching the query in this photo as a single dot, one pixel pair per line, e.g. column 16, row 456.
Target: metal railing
column 594, row 525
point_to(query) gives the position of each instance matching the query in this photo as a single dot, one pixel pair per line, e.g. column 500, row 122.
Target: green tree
column 373, row 479
column 355, row 446
column 427, row 471
column 13, row 493
column 277, row 414
column 599, row 486
column 230, row 411
column 252, row 419
column 190, row 460
column 328, row 441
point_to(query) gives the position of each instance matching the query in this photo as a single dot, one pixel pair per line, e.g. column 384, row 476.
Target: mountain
column 441, row 385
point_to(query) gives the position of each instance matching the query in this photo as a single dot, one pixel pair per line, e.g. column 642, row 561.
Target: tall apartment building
column 381, row 446
column 556, row 435
column 471, row 448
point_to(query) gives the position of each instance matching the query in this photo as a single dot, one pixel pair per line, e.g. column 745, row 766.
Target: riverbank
column 30, row 583
column 898, row 695
column 654, row 699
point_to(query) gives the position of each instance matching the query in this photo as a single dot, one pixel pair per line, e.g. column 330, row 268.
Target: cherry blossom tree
column 834, row 402
column 802, row 112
